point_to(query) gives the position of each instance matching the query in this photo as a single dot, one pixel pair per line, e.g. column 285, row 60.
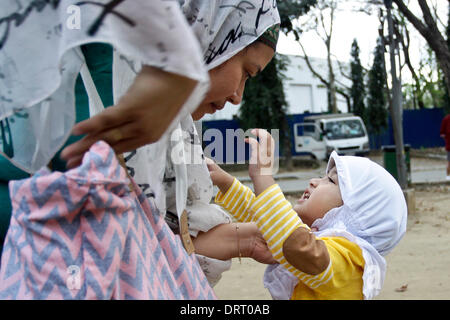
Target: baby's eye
column 331, row 180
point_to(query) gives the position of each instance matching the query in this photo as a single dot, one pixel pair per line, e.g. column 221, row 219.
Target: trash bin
column 390, row 161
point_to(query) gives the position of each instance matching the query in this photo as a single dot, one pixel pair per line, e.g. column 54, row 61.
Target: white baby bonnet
column 373, row 216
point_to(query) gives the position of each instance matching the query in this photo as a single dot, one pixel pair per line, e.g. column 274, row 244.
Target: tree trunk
column 430, row 32
column 397, row 109
column 332, row 87
column 331, row 76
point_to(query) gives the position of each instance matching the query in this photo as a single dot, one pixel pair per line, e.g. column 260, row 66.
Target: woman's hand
column 222, row 179
column 256, row 247
column 226, row 241
column 141, row 116
column 261, row 160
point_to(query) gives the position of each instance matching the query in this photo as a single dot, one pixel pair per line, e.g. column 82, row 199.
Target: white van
column 321, row 134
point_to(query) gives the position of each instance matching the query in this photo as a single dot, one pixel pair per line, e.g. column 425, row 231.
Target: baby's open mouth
column 305, row 196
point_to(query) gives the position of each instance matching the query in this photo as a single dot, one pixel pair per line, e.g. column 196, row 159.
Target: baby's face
column 322, row 195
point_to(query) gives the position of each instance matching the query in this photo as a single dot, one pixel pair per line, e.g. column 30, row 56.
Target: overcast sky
column 349, row 25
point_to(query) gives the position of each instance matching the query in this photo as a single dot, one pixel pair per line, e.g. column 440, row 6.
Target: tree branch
column 314, row 72
column 431, row 34
column 411, row 17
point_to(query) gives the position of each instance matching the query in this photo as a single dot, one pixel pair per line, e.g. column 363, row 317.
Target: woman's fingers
column 127, row 145
column 74, row 162
column 122, row 138
column 108, row 118
column 77, row 148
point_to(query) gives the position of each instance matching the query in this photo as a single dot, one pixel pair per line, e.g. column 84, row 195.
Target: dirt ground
column 418, row 268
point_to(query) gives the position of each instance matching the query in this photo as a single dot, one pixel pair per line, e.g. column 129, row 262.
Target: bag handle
column 96, row 106
column 95, row 103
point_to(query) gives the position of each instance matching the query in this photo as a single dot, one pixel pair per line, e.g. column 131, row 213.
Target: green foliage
column 292, row 9
column 357, row 91
column 376, row 113
column 264, row 103
column 446, row 96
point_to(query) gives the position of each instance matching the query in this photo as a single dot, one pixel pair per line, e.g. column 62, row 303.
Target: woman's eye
column 331, row 180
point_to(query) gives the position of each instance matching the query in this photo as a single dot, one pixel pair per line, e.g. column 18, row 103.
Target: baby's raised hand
column 222, row 179
column 262, row 153
column 262, row 159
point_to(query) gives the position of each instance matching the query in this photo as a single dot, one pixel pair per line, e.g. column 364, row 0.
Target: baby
column 331, row 244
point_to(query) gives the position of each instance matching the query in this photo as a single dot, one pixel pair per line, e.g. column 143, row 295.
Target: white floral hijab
column 40, row 61
column 226, row 27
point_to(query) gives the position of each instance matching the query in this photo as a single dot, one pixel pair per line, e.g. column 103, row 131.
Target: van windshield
column 344, row 129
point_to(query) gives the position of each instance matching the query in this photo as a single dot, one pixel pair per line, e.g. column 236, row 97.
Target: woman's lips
column 216, row 106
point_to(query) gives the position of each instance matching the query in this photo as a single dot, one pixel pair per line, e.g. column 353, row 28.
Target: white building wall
column 304, row 92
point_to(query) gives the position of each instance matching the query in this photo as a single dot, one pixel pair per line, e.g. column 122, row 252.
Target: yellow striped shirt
column 276, row 220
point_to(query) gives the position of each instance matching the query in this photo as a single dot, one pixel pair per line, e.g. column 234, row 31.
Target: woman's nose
column 235, row 98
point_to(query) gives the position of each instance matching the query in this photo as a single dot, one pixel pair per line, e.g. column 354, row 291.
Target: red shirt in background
column 445, row 130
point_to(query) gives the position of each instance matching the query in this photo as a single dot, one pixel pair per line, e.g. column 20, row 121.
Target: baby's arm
column 277, row 221
column 291, row 241
column 237, row 200
column 233, row 195
column 326, row 266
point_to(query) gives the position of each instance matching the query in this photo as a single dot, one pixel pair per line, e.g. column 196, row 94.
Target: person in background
column 445, row 134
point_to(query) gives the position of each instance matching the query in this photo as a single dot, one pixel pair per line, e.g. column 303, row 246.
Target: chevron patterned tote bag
column 85, row 234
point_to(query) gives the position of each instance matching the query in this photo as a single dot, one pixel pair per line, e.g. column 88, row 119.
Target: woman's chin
column 202, row 110
column 197, row 115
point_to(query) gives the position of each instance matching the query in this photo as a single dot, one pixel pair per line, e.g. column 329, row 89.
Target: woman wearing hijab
column 227, row 33
column 238, row 40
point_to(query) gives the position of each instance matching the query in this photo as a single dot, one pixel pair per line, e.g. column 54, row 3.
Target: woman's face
column 227, row 81
column 322, row 195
